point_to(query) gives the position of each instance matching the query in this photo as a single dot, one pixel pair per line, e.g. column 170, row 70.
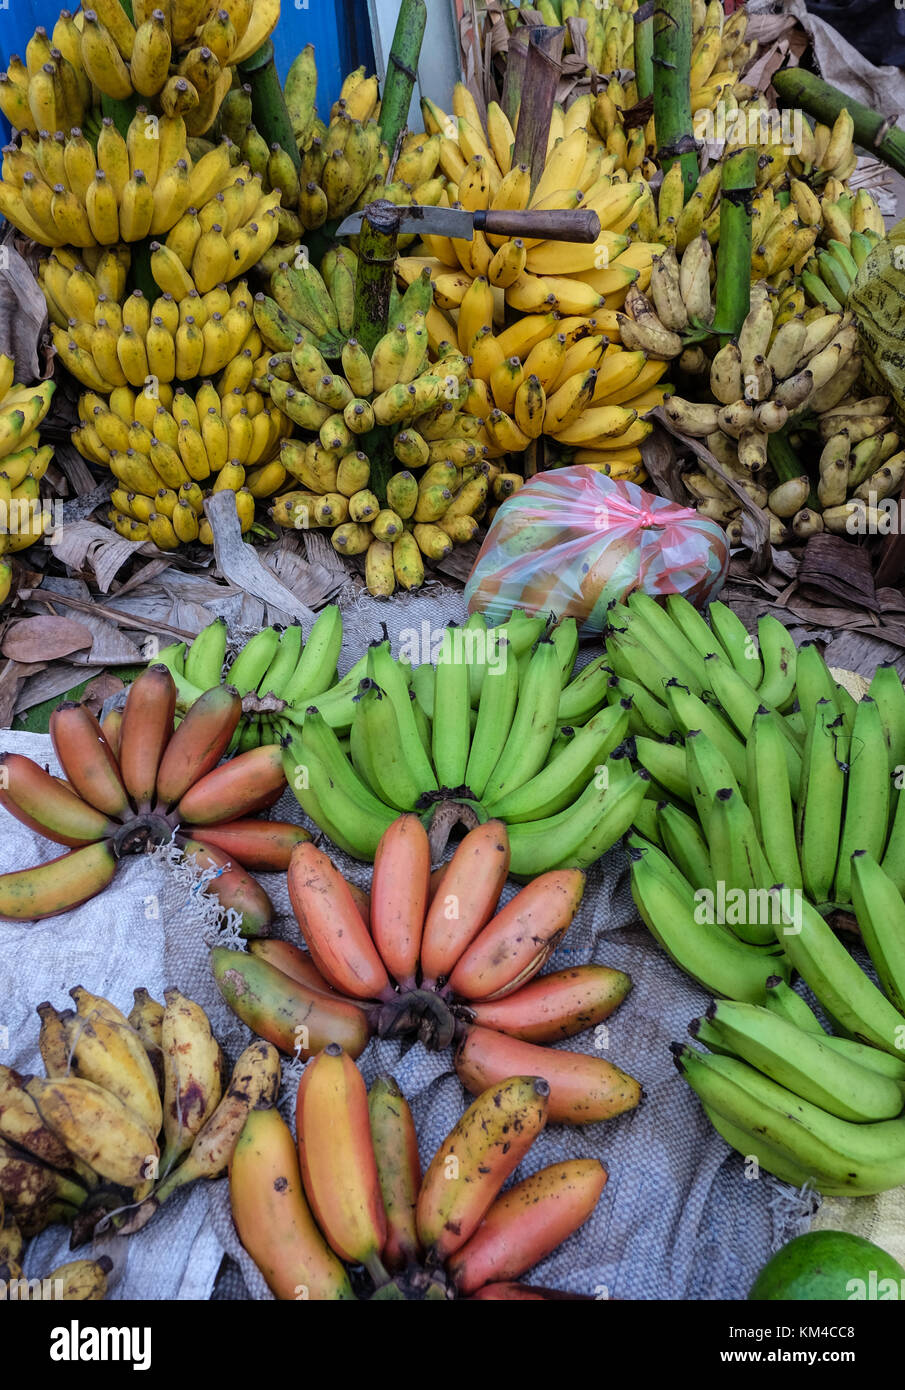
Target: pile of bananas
column 130, row 1109
column 485, row 726
column 68, row 191
column 774, row 746
column 82, row 1281
column 23, row 463
column 168, row 449
column 719, row 55
column 179, row 58
column 274, row 672
column 135, row 784
column 412, row 971
column 829, row 276
column 404, row 409
column 567, row 276
column 352, row 1192
column 783, row 372
column 781, row 806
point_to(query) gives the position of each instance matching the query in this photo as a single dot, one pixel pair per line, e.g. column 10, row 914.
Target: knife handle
column 581, row 225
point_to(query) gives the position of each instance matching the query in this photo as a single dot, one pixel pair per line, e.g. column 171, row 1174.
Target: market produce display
column 148, row 786
column 123, row 1101
column 480, row 738
column 777, row 798
column 353, row 1192
column 397, row 338
column 436, row 960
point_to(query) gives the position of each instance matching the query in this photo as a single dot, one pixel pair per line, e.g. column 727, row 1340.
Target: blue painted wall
column 339, row 30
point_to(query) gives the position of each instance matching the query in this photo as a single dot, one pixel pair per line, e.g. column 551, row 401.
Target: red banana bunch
column 136, row 783
column 355, row 1194
column 437, row 962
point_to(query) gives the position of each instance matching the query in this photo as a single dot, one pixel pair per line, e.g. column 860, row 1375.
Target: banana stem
column 374, row 279
column 733, row 271
column 268, row 107
column 671, row 62
column 786, row 464
column 644, row 51
column 873, row 131
column 375, row 1268
column 402, row 72
column 543, row 67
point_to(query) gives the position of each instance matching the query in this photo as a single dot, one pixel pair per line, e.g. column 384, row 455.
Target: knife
column 581, row 225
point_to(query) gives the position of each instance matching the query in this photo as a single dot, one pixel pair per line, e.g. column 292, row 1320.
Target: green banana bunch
column 829, row 275
column 790, row 1136
column 474, row 729
column 394, row 402
column 273, row 671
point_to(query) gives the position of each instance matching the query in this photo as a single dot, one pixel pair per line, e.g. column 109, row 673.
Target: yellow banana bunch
column 169, row 449
column 197, row 325
column 23, row 463
column 827, row 152
column 395, row 520
column 91, row 1127
column 179, row 58
column 72, row 192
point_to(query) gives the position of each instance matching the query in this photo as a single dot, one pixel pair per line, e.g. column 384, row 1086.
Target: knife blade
column 580, row 225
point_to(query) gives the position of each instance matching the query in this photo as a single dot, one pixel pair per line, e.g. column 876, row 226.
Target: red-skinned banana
column 58, row 885
column 475, row 1159
column 515, row 943
column 233, row 886
column 87, row 759
column 45, row 805
column 336, row 1155
column 264, row 846
column 192, row 1063
column 297, row 964
column 557, row 1006
column 199, row 743
column 147, row 728
column 399, row 893
column 292, row 1015
column 332, row 926
column 464, row 898
column 273, row 1218
column 583, row 1089
column 250, row 782
column 527, row 1222
column 112, row 728
column 398, row 1168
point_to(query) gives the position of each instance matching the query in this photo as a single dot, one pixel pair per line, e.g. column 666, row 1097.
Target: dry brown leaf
column 100, row 689
column 239, row 563
column 45, row 639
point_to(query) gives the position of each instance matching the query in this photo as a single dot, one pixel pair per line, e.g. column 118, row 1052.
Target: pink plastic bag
column 573, row 541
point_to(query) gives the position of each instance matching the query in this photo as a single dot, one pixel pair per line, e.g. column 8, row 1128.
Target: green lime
column 829, row 1265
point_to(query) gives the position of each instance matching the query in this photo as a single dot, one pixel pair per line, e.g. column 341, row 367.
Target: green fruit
column 831, row 1265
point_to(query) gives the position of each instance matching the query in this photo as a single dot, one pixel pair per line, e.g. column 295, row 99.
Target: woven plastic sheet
column 680, row 1217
